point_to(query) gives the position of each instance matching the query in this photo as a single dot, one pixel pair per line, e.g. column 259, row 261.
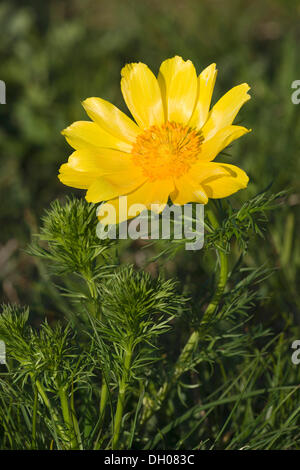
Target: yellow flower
column 168, row 150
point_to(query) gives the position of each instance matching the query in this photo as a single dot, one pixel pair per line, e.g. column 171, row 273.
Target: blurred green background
column 55, row 54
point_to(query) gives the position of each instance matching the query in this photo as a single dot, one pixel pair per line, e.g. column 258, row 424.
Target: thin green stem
column 223, row 273
column 193, row 340
column 53, row 415
column 67, row 417
column 34, row 415
column 221, row 283
column 104, row 389
column 94, row 295
column 121, row 397
column 104, row 397
column 74, row 419
column 92, row 287
column 64, row 407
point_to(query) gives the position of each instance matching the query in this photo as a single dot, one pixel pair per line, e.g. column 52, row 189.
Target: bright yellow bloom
column 168, row 150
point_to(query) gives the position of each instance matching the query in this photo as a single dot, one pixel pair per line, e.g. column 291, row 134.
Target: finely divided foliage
column 120, row 322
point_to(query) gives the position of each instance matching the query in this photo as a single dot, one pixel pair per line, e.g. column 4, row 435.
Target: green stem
column 121, row 397
column 193, row 340
column 104, row 397
column 55, row 419
column 53, row 415
column 67, row 417
column 74, row 419
column 221, row 283
column 94, row 294
column 92, row 287
column 223, row 273
column 34, row 414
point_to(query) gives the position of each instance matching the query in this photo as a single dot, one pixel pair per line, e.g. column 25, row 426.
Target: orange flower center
column 167, row 151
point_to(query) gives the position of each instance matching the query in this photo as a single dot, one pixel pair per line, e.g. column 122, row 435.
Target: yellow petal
column 178, row 83
column 204, row 170
column 74, row 178
column 142, row 95
column 225, row 185
column 104, row 161
column 85, row 166
column 211, row 147
column 226, row 109
column 151, row 193
column 206, row 83
column 111, row 186
column 111, row 119
column 187, row 190
column 88, row 135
